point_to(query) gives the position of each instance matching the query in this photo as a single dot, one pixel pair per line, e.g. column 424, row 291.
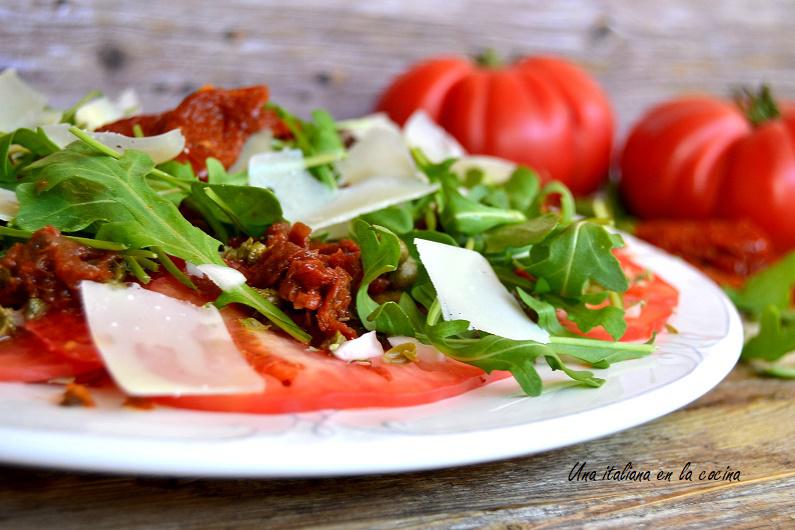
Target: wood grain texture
column 746, row 422
column 341, row 54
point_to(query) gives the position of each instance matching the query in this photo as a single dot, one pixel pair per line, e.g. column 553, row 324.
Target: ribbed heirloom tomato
column 543, row 112
column 700, row 157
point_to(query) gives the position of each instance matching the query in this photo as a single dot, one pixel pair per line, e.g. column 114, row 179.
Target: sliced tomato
column 66, row 334
column 301, row 379
column 649, row 302
column 26, row 359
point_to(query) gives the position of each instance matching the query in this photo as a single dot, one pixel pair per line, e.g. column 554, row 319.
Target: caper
column 404, row 251
column 405, row 275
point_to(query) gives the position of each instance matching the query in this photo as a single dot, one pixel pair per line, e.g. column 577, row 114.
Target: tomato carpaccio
column 297, row 378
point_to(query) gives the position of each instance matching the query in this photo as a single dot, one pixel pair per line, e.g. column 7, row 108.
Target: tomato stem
column 759, row 106
column 489, row 58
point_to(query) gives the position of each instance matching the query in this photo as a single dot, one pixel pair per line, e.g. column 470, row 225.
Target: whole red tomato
column 543, row 112
column 700, row 157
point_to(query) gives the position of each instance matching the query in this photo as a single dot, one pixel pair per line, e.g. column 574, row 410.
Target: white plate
column 489, row 423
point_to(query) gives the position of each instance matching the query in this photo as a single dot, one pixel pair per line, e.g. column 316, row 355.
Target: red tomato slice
column 301, row 380
column 66, row 334
column 650, row 301
column 26, row 359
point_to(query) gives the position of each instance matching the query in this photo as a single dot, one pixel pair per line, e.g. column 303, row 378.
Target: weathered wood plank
column 746, row 422
column 340, row 55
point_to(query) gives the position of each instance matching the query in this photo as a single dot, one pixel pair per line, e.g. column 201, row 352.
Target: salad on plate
column 227, row 255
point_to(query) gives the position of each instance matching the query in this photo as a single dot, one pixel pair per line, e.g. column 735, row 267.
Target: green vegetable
column 84, row 180
column 522, row 188
column 89, row 242
column 575, row 257
column 776, row 338
column 31, row 145
column 177, row 189
column 546, row 312
column 490, row 352
column 461, row 215
column 254, row 210
column 567, row 206
column 520, row 235
column 610, row 317
column 770, row 287
column 216, row 174
column 767, row 297
column 399, row 218
column 316, row 138
column 464, row 216
column 380, row 251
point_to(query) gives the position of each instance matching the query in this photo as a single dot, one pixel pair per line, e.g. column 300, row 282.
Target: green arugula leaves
column 92, row 188
column 490, row 352
column 767, row 297
column 380, row 250
column 317, row 139
column 20, row 148
column 574, row 257
column 85, row 187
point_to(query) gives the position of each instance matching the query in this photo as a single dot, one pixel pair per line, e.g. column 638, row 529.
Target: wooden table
column 747, row 423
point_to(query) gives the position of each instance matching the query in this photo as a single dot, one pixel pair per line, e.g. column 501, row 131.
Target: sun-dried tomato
column 728, row 251
column 215, row 122
column 316, row 278
column 50, row 267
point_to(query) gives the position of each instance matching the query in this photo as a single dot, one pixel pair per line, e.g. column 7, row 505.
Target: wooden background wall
column 341, row 54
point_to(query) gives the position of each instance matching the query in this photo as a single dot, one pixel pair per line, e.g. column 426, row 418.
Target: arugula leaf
column 771, row 286
column 380, row 251
column 113, row 191
column 610, row 317
column 398, row 319
column 399, row 218
column 572, row 258
column 181, row 172
column 546, row 312
column 490, row 352
column 320, row 137
column 597, row 353
column 141, row 218
column 522, row 188
column 254, row 209
column 36, row 145
column 507, row 275
column 567, row 204
column 71, row 205
column 249, row 297
column 464, row 216
column 216, row 174
column 490, row 195
column 775, row 338
column 460, row 214
column 519, row 235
